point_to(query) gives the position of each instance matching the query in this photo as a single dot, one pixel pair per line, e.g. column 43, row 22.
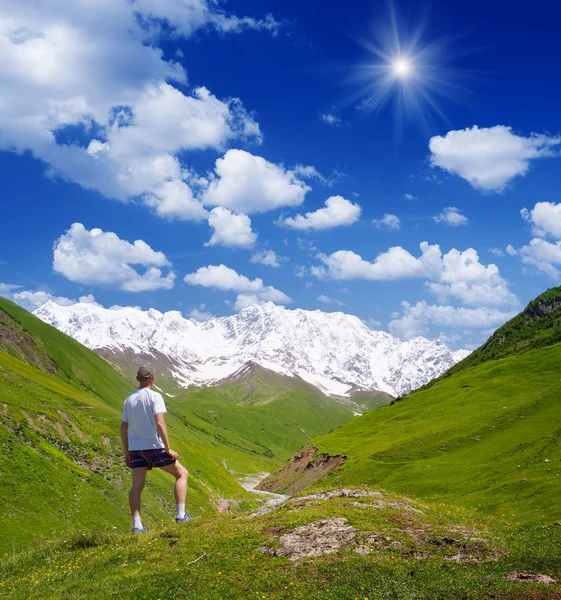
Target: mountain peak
column 335, row 352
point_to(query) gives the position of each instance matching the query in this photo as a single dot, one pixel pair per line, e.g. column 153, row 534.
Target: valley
column 451, row 489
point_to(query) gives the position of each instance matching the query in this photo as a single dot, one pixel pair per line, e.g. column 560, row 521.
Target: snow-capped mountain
column 335, row 352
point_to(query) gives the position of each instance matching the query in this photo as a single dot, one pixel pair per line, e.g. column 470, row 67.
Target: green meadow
column 447, row 492
column 62, row 460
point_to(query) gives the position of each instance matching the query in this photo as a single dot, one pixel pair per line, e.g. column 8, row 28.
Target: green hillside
column 271, row 430
column 73, row 362
column 537, row 326
column 62, row 468
column 487, row 436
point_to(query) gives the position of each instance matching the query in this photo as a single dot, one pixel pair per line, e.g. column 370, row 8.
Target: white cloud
column 496, row 251
column 328, row 300
column 543, row 256
column 337, row 212
column 200, row 314
column 410, row 196
column 449, row 337
column 456, row 274
column 333, row 120
column 174, row 199
column 489, row 158
column 230, row 230
column 103, row 259
column 226, row 279
column 189, row 15
column 540, row 254
column 268, row 258
column 223, row 278
column 95, row 68
column 493, row 292
column 395, row 263
column 246, row 183
column 545, row 218
column 6, row 290
column 33, row 300
column 417, row 318
column 389, row 222
column 451, row 216
column 372, row 324
column 309, row 172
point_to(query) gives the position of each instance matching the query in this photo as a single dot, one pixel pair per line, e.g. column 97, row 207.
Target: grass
column 62, row 462
column 270, row 430
column 75, row 363
column 410, row 562
column 60, row 410
column 488, row 438
column 537, row 326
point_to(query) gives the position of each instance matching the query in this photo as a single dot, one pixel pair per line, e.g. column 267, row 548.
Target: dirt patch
column 106, row 441
column 529, row 577
column 385, row 504
column 326, row 536
column 305, row 469
column 4, row 409
column 72, row 425
column 357, row 494
column 342, row 493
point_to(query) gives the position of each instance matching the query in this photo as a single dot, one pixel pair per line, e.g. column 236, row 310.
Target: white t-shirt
column 139, row 411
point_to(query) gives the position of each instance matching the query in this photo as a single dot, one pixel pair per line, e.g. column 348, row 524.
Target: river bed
column 271, row 500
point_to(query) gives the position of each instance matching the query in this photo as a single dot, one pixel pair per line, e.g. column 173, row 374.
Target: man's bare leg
column 138, row 481
column 181, row 478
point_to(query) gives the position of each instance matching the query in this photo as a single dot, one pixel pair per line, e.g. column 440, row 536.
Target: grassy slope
column 104, row 565
column 480, row 438
column 62, row 463
column 271, row 429
column 75, row 363
column 59, row 434
column 537, row 326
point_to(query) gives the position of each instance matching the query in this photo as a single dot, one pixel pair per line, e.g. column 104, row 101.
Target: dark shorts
column 150, row 458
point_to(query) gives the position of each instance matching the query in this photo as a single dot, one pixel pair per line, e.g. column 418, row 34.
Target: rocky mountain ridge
column 335, row 352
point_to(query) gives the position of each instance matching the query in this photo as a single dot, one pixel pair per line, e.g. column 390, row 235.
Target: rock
column 325, row 536
column 529, row 577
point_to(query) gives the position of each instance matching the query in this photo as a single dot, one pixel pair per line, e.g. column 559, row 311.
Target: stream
column 271, row 500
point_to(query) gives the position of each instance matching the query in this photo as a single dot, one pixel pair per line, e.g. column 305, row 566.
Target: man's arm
column 125, row 441
column 163, row 431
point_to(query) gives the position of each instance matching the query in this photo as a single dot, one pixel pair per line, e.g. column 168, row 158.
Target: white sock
column 179, row 511
column 137, row 522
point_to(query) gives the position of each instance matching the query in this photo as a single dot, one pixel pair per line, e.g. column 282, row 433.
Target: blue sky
column 198, row 156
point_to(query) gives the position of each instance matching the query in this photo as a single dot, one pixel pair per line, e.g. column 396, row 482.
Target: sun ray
column 406, row 71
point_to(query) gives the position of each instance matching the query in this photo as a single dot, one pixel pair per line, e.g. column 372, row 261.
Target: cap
column 145, row 372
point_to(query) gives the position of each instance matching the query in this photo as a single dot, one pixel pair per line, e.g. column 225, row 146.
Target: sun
column 401, row 67
column 408, row 72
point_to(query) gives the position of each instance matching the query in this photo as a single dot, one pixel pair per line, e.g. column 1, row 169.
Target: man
column 146, row 445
